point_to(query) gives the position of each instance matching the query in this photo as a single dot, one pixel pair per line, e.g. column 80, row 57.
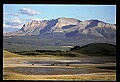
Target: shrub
column 31, row 53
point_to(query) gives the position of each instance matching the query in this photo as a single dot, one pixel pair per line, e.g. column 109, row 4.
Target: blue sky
column 15, row 15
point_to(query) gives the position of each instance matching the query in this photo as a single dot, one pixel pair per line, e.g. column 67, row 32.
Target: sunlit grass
column 7, row 54
column 57, row 77
column 10, row 75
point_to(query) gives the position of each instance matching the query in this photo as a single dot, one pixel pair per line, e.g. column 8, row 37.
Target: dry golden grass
column 7, row 54
column 16, row 76
column 60, row 77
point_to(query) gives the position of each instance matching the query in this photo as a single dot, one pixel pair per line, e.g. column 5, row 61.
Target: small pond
column 54, row 70
column 66, row 62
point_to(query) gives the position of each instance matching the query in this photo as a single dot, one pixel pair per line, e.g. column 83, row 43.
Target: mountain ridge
column 69, row 27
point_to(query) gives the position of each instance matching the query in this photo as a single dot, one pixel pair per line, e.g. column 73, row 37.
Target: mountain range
column 69, row 27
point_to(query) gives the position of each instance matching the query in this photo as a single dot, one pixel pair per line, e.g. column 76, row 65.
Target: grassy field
column 52, row 42
column 13, row 61
column 61, row 77
column 7, row 54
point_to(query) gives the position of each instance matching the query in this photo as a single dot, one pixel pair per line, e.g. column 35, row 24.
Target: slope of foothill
column 7, row 54
column 96, row 49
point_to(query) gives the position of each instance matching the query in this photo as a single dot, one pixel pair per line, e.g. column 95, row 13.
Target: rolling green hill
column 96, row 49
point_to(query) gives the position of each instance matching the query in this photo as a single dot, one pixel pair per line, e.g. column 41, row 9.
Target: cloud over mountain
column 28, row 11
column 37, row 19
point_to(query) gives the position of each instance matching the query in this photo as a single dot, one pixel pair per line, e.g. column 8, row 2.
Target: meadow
column 57, row 58
column 18, row 67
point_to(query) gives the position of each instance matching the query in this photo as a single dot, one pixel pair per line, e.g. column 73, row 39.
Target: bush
column 31, row 53
column 75, row 47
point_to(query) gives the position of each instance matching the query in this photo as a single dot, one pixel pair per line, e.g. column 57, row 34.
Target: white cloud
column 5, row 19
column 10, row 26
column 9, row 29
column 4, row 13
column 10, row 14
column 45, row 19
column 6, row 26
column 16, row 15
column 25, row 20
column 28, row 11
column 13, row 22
column 37, row 19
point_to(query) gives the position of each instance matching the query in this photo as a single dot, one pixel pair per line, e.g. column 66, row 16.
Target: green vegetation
column 96, row 49
column 93, row 49
column 30, row 53
column 49, row 42
column 107, row 67
column 47, row 52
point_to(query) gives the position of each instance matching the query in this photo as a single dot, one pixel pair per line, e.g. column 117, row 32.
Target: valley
column 62, row 49
column 85, row 68
column 59, row 42
column 43, row 42
column 74, row 64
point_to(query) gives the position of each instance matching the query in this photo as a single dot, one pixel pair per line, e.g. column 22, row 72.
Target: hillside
column 7, row 54
column 96, row 49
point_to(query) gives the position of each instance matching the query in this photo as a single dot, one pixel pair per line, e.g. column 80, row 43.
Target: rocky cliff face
column 92, row 29
column 69, row 27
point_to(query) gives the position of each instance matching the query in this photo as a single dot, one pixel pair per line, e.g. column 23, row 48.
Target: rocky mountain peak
column 69, row 27
column 68, row 20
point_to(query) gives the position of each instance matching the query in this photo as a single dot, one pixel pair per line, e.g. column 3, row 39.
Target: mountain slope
column 69, row 27
column 96, row 48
